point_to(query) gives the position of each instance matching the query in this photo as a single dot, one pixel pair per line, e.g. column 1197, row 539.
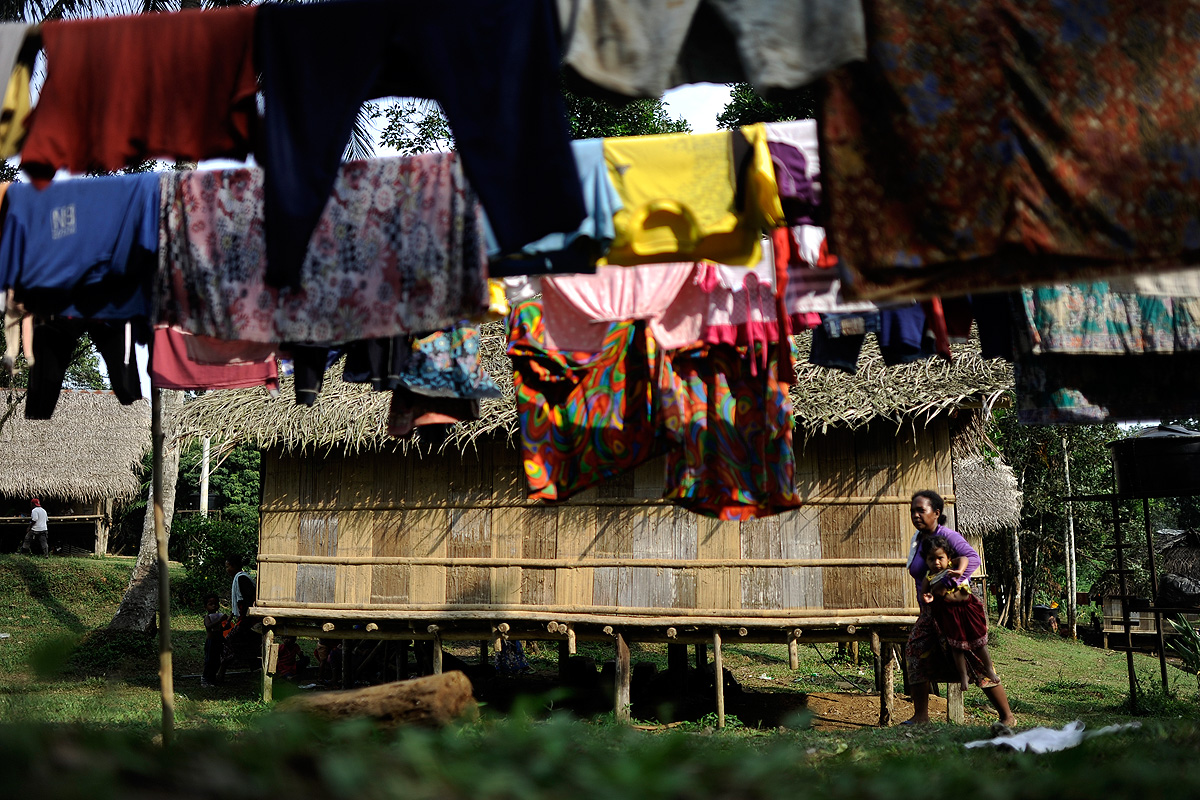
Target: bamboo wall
column 384, row 531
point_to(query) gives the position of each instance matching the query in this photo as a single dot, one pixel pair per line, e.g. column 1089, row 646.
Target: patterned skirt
column 928, row 658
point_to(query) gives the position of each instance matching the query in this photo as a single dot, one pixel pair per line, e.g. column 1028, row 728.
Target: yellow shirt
column 14, row 110
column 680, row 196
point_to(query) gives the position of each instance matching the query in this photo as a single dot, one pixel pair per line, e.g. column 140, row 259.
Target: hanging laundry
column 690, row 197
column 813, row 285
column 838, row 340
column 741, row 306
column 735, row 459
column 55, row 340
column 409, row 412
column 1011, row 154
column 83, row 247
column 1080, row 347
column 583, row 417
column 120, row 90
column 16, row 61
column 492, row 65
column 18, row 335
column 446, row 364
column 794, row 154
column 207, row 350
column 579, row 310
column 642, row 49
column 398, row 249
column 172, row 368
column 579, row 250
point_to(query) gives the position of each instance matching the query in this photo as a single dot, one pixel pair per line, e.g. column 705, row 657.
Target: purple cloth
column 797, row 193
column 958, row 548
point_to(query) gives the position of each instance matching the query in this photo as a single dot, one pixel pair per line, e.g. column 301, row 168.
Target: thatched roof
column 987, row 497
column 92, row 449
column 350, row 417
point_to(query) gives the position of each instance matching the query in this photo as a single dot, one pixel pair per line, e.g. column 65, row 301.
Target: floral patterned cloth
column 991, row 143
column 446, row 364
column 398, row 250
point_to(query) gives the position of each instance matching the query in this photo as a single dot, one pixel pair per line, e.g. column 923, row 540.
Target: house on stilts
column 365, row 537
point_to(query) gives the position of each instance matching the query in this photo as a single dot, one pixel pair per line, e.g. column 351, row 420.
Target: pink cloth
column 170, row 367
column 579, row 309
column 226, row 352
column 813, row 284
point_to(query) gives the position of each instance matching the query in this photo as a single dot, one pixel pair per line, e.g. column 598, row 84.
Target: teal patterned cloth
column 1089, row 354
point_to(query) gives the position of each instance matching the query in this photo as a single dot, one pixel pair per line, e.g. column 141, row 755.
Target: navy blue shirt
column 82, row 247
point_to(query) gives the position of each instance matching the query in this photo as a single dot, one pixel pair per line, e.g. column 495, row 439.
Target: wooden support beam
column 166, row 670
column 270, row 658
column 877, row 651
column 437, row 654
column 570, row 638
column 954, row 703
column 887, row 696
column 793, row 645
column 621, row 705
column 719, row 678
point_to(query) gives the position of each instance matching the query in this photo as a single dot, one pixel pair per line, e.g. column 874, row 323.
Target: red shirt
column 120, row 90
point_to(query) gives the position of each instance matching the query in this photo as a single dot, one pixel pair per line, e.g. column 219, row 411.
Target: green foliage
column 419, row 126
column 746, row 107
column 83, row 372
column 203, row 544
column 1185, row 645
column 593, row 118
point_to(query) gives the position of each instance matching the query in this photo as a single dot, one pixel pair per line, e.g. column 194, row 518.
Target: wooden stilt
column 887, row 696
column 793, row 645
column 166, row 675
column 270, row 653
column 877, row 651
column 345, row 664
column 954, row 703
column 571, row 639
column 621, row 705
column 701, row 656
column 719, row 678
column 854, row 653
column 437, row 654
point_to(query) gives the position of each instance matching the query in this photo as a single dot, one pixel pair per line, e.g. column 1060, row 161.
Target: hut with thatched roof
column 364, row 536
column 78, row 464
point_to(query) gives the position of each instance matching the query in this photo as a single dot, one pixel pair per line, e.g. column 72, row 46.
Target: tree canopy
column 747, row 107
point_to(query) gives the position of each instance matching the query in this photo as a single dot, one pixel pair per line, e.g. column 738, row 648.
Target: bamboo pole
column 437, row 654
column 602, row 615
column 887, row 696
column 954, row 703
column 793, row 646
column 268, row 672
column 719, row 678
column 624, row 673
column 582, row 563
column 166, row 675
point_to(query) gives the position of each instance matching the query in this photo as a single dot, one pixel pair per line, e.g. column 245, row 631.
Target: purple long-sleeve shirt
column 958, row 549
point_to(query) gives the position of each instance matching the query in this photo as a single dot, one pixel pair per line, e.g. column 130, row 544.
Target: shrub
column 202, row 545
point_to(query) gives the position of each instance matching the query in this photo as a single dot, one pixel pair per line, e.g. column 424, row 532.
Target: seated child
column 214, row 639
column 960, row 616
column 291, row 659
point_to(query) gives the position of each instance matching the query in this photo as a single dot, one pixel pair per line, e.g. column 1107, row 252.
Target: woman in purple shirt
column 924, row 653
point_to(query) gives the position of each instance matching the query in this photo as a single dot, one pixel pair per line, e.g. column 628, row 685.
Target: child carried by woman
column 960, row 616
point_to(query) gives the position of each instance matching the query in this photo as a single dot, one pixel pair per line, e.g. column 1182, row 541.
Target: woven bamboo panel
column 457, row 506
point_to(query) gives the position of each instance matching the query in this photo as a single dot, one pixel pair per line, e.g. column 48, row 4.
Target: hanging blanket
column 991, row 143
column 397, row 250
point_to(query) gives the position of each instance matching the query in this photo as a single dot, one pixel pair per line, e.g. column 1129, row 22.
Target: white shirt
column 39, row 517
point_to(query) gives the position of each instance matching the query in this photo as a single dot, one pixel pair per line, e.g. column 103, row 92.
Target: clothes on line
column 642, row 49
column 398, row 249
column 1005, row 159
column 492, row 65
column 55, row 340
column 16, row 61
column 121, row 90
column 171, row 367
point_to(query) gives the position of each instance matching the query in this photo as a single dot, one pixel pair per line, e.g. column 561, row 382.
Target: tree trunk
column 1018, row 592
column 139, row 606
column 432, row 701
column 1069, row 542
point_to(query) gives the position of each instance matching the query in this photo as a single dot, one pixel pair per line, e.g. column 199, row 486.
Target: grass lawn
column 58, row 666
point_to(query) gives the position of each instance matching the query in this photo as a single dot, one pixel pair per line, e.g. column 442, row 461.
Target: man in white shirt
column 37, row 527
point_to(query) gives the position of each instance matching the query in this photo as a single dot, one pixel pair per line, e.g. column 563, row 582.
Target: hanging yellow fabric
column 14, row 110
column 680, row 194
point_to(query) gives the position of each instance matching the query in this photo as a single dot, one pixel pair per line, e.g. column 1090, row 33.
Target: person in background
column 37, row 527
column 243, row 591
column 291, row 660
column 240, row 644
column 214, row 639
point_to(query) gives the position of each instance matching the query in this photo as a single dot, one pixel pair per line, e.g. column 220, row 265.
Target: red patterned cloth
column 963, row 624
column 989, row 143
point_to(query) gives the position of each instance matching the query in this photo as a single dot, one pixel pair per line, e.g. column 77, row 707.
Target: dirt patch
column 848, row 711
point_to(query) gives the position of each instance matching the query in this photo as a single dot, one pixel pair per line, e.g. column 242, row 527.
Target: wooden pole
column 205, row 456
column 621, row 702
column 1158, row 619
column 437, row 654
column 268, row 673
column 719, row 678
column 954, row 703
column 166, row 676
column 345, row 664
column 1119, row 546
column 877, row 651
column 887, row 702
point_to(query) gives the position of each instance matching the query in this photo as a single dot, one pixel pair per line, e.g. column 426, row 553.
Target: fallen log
column 431, row 701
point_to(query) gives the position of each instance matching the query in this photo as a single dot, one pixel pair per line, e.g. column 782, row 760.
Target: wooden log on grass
column 431, row 701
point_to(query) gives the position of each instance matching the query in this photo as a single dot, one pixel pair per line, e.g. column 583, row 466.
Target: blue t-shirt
column 82, row 247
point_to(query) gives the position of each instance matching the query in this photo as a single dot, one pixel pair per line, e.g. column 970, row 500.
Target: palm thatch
column 91, row 450
column 350, row 417
column 987, row 497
